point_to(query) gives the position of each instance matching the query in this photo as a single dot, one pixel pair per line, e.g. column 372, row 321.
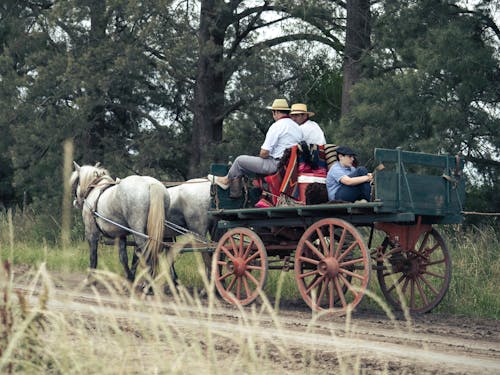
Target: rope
column 481, row 213
column 177, row 183
column 181, row 230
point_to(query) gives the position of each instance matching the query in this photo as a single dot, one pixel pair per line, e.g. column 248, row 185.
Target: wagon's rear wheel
column 421, row 275
column 241, row 266
column 332, row 266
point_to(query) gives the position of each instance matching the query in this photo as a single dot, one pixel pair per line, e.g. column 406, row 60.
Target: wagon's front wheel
column 421, row 276
column 241, row 266
column 332, row 266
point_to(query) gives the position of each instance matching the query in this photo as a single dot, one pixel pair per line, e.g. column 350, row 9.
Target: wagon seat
column 300, row 166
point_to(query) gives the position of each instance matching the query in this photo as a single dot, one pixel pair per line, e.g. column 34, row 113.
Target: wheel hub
column 238, row 266
column 329, row 266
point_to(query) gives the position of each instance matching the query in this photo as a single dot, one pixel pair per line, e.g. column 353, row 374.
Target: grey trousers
column 244, row 164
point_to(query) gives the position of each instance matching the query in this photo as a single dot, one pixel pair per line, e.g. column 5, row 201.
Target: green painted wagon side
column 322, row 243
column 424, row 184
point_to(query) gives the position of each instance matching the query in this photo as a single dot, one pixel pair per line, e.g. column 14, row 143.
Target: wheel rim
column 422, row 274
column 241, row 266
column 332, row 275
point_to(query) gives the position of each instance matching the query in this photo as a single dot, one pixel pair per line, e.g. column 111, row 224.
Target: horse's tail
column 156, row 225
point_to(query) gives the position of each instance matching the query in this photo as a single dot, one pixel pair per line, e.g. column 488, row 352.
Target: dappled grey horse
column 189, row 205
column 135, row 205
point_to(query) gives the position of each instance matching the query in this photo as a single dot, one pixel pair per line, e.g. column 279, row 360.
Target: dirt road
column 430, row 344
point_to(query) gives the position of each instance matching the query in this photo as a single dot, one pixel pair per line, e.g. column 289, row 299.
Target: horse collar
column 94, row 209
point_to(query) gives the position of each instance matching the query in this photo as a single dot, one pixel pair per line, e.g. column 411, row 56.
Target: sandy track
column 428, row 344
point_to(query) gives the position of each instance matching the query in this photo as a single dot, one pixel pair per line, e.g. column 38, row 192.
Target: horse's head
column 81, row 180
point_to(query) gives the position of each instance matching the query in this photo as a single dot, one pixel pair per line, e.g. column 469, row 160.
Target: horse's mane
column 87, row 175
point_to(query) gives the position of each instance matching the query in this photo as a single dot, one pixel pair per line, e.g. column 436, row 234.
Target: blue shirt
column 333, row 177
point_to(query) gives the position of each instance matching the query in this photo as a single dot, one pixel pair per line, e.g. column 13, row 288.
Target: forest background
column 167, row 87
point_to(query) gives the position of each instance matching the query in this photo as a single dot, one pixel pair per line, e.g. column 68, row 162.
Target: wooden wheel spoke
column 247, row 287
column 421, row 292
column 252, row 267
column 309, row 260
column 231, row 284
column 322, row 241
column 348, row 250
column 348, row 285
column 429, row 285
column 233, row 243
column 248, row 249
column 314, row 249
column 322, row 291
column 398, row 281
column 331, row 232
column 241, row 243
column 434, row 262
column 340, row 292
column 347, row 272
column 225, row 276
column 228, row 253
column 405, row 285
column 424, row 242
column 238, row 288
column 435, row 274
column 340, row 244
column 310, row 273
column 315, row 283
column 255, row 255
column 252, row 278
column 351, row 262
column 331, row 294
column 433, row 248
column 412, row 294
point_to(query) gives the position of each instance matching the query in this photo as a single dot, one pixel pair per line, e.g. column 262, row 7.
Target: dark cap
column 345, row 150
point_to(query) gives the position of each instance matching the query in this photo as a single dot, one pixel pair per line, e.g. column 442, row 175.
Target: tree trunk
column 357, row 41
column 209, row 89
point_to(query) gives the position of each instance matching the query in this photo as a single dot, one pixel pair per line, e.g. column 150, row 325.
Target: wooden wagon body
column 325, row 244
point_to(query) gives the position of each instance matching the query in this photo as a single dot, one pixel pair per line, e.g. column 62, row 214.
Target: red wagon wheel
column 332, row 266
column 241, row 266
column 421, row 275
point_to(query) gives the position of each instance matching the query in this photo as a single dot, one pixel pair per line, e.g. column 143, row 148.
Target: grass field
column 34, row 339
column 474, row 251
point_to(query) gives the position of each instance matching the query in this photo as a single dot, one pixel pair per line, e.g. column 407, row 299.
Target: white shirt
column 282, row 134
column 313, row 135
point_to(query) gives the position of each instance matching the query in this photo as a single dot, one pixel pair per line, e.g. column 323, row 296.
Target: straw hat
column 299, row 109
column 279, row 105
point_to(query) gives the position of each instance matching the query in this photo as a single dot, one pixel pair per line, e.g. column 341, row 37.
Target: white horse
column 189, row 205
column 135, row 205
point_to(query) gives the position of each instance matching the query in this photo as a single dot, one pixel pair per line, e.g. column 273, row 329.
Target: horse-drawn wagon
column 325, row 244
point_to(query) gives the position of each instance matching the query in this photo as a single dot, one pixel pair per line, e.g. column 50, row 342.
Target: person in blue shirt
column 345, row 182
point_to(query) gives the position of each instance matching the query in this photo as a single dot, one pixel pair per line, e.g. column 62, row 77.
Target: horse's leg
column 93, row 241
column 122, row 251
column 207, row 260
column 135, row 261
column 93, row 252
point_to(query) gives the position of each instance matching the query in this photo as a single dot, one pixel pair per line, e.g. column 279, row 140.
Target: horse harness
column 93, row 209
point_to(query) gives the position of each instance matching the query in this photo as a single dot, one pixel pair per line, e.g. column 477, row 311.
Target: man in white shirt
column 283, row 133
column 313, row 135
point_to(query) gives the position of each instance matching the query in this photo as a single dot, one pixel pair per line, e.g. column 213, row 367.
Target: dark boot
column 235, row 188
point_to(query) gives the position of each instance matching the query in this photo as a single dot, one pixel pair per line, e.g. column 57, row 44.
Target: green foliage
column 434, row 86
column 476, row 269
